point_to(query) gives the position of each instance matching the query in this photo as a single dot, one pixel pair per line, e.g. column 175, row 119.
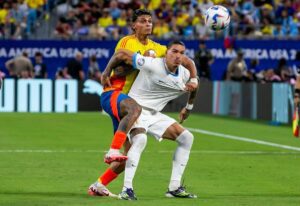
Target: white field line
column 160, row 151
column 226, row 136
column 244, row 139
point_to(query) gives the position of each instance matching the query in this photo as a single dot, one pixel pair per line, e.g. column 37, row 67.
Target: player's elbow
column 123, row 56
column 190, row 65
column 119, row 56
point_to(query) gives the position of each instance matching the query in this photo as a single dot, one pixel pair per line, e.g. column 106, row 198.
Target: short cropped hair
column 175, row 42
column 139, row 12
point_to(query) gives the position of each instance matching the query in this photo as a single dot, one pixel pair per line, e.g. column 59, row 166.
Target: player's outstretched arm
column 190, row 65
column 121, row 56
column 185, row 112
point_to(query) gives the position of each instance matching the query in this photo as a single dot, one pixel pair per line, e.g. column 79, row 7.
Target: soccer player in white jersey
column 160, row 80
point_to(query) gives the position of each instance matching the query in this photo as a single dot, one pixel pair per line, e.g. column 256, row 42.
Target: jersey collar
column 168, row 71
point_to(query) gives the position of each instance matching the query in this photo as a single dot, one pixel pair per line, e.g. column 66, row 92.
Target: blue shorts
column 110, row 102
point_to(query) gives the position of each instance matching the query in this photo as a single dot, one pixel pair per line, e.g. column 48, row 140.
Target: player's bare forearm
column 190, row 65
column 113, row 62
column 192, row 96
column 185, row 112
column 124, row 55
column 119, row 57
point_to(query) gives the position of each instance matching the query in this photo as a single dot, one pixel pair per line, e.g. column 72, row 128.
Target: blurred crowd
column 240, row 70
column 96, row 19
column 237, row 69
column 22, row 67
column 104, row 19
column 19, row 18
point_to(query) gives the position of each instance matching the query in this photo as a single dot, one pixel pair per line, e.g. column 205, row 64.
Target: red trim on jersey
column 114, row 104
column 125, row 40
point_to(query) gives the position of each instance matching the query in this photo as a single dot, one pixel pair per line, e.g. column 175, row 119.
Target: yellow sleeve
column 125, row 43
column 160, row 50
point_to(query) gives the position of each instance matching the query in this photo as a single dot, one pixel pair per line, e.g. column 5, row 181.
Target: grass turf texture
column 51, row 159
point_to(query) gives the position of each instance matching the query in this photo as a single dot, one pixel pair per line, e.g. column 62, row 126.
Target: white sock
column 180, row 158
column 114, row 151
column 139, row 142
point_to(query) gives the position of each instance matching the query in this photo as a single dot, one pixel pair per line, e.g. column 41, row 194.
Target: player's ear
column 133, row 27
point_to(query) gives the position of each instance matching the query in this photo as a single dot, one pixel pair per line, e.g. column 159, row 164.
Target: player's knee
column 186, row 139
column 139, row 141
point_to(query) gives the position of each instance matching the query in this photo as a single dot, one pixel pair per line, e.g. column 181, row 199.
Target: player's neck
column 170, row 68
column 142, row 38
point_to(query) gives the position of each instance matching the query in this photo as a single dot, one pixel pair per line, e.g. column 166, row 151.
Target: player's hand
column 105, row 80
column 190, row 86
column 150, row 53
column 183, row 115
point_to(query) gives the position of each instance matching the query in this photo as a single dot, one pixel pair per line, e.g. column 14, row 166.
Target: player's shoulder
column 156, row 60
column 156, row 44
column 149, row 62
column 183, row 71
column 123, row 42
column 159, row 48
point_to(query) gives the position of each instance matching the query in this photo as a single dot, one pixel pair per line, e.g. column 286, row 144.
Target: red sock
column 118, row 140
column 108, row 176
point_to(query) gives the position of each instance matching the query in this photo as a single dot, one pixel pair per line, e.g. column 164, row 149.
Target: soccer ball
column 217, row 18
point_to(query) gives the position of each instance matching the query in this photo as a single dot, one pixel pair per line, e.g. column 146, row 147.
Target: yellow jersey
column 131, row 43
column 105, row 21
column 3, row 15
column 34, row 4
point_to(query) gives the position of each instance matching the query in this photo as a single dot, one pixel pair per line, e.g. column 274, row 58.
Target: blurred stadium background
column 246, row 156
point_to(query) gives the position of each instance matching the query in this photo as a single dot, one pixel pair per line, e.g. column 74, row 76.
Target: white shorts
column 155, row 123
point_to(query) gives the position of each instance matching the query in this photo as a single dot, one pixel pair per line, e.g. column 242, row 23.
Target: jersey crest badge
column 141, row 61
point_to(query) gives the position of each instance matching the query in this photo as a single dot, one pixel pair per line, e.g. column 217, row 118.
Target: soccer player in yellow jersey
column 132, row 43
column 122, row 109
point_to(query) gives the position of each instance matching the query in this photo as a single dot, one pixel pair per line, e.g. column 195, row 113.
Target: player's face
column 143, row 25
column 175, row 55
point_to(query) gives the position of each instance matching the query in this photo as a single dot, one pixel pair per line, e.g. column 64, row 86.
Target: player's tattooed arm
column 190, row 65
column 121, row 56
column 192, row 96
column 130, row 110
column 185, row 112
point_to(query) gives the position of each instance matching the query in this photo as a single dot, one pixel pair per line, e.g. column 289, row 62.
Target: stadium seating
column 89, row 19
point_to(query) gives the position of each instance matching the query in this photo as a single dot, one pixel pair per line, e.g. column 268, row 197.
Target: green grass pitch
column 51, row 159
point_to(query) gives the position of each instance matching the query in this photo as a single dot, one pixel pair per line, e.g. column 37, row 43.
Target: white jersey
column 155, row 85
